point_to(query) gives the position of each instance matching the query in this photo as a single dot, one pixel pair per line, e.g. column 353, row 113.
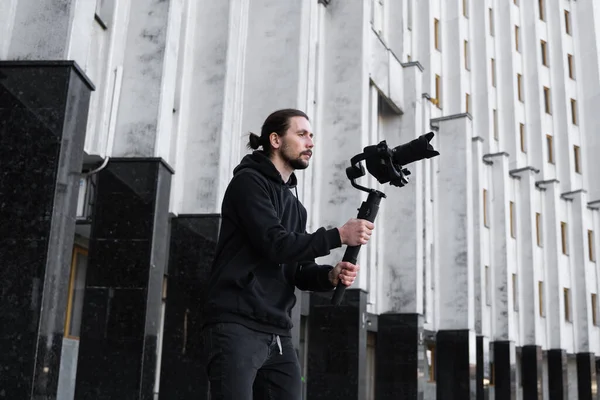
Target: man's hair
column 278, row 122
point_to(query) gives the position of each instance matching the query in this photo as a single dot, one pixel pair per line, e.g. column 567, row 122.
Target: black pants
column 243, row 364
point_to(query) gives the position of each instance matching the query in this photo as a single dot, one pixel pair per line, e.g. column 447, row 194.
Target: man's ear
column 275, row 140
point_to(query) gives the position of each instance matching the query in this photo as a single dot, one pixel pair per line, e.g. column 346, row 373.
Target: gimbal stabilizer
column 386, row 165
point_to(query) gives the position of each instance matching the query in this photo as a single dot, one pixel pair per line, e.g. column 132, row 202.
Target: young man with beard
column 263, row 254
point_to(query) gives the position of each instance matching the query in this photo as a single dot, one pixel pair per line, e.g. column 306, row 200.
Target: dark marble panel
column 192, row 250
column 43, row 116
column 337, row 347
column 117, row 263
column 586, row 376
column 532, row 372
column 455, row 373
column 483, row 368
column 400, row 362
column 505, row 370
column 558, row 375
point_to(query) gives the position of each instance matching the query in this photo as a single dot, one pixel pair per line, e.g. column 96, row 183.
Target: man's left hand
column 343, row 272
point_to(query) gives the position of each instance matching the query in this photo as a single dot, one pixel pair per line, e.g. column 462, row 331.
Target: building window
column 512, row 219
column 538, row 228
column 491, row 16
column 467, row 60
column 571, row 66
column 541, row 298
column 76, row 292
column 563, row 236
column 544, row 48
column 436, row 33
column 567, row 22
column 567, row 301
column 493, row 63
column 576, row 159
column 468, row 102
column 594, row 309
column 574, row 111
column 517, row 47
column 547, row 100
column 541, row 3
column 488, row 297
column 438, row 91
column 495, row 122
column 550, row 141
column 430, row 356
column 591, row 254
column 515, row 292
column 519, row 87
column 465, row 5
column 485, row 209
column 522, row 136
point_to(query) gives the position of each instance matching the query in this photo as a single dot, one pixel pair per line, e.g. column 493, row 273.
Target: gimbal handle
column 367, row 211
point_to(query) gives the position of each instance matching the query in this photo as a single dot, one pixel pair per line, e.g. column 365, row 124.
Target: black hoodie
column 263, row 251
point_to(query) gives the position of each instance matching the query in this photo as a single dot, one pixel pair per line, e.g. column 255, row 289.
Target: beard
column 294, row 162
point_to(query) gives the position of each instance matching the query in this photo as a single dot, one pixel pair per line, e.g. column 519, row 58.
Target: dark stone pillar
column 586, row 374
column 337, row 347
column 193, row 245
column 505, row 370
column 558, row 375
column 483, row 368
column 124, row 287
column 43, row 117
column 532, row 372
column 400, row 364
column 455, row 360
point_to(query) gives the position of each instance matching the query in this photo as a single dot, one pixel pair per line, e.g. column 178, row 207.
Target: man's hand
column 343, row 272
column 356, row 232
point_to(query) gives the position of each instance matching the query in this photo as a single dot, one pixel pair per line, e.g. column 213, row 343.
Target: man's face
column 297, row 143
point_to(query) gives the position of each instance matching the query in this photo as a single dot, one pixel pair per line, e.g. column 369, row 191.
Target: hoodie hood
column 259, row 161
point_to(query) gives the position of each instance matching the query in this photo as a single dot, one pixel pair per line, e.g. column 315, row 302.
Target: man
column 263, row 253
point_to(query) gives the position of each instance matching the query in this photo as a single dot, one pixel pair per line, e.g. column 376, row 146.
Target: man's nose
column 311, row 143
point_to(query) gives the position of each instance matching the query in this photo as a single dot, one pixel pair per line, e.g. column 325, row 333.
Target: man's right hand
column 356, row 232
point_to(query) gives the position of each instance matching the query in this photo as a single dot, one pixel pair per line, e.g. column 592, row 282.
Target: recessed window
column 577, row 159
column 538, row 228
column 517, row 47
column 436, row 33
column 591, row 253
column 512, row 219
column 541, row 298
column 486, row 221
column 522, row 137
column 594, row 309
column 488, row 297
column 563, row 237
column 547, row 100
column 574, row 111
column 467, row 60
column 567, row 303
column 571, row 66
column 491, row 16
column 567, row 22
column 550, row 143
column 465, row 5
column 468, row 102
column 438, row 91
column 515, row 290
column 520, row 87
column 541, row 6
column 544, row 48
column 493, row 65
column 495, row 122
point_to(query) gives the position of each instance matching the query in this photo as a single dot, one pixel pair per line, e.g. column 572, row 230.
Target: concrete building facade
column 121, row 122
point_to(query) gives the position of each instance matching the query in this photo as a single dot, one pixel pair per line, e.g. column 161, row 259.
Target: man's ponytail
column 254, row 142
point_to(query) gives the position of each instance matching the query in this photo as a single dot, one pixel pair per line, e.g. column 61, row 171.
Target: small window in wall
column 541, row 6
column 517, row 45
column 493, row 65
column 544, row 48
column 488, row 297
column 491, row 17
column 495, row 122
column 436, row 33
column 541, row 299
column 567, row 303
column 538, row 228
column 577, row 159
column 567, row 22
column 468, row 103
column 465, row 5
column 574, row 111
column 430, row 358
column 515, row 292
column 467, row 59
column 512, row 219
column 550, row 143
column 486, row 221
column 522, row 137
column 563, row 235
column 547, row 100
column 76, row 292
column 104, row 12
column 571, row 66
column 438, row 91
column 591, row 254
column 520, row 87
column 594, row 309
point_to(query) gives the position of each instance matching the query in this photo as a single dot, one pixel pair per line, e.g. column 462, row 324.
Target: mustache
column 308, row 152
